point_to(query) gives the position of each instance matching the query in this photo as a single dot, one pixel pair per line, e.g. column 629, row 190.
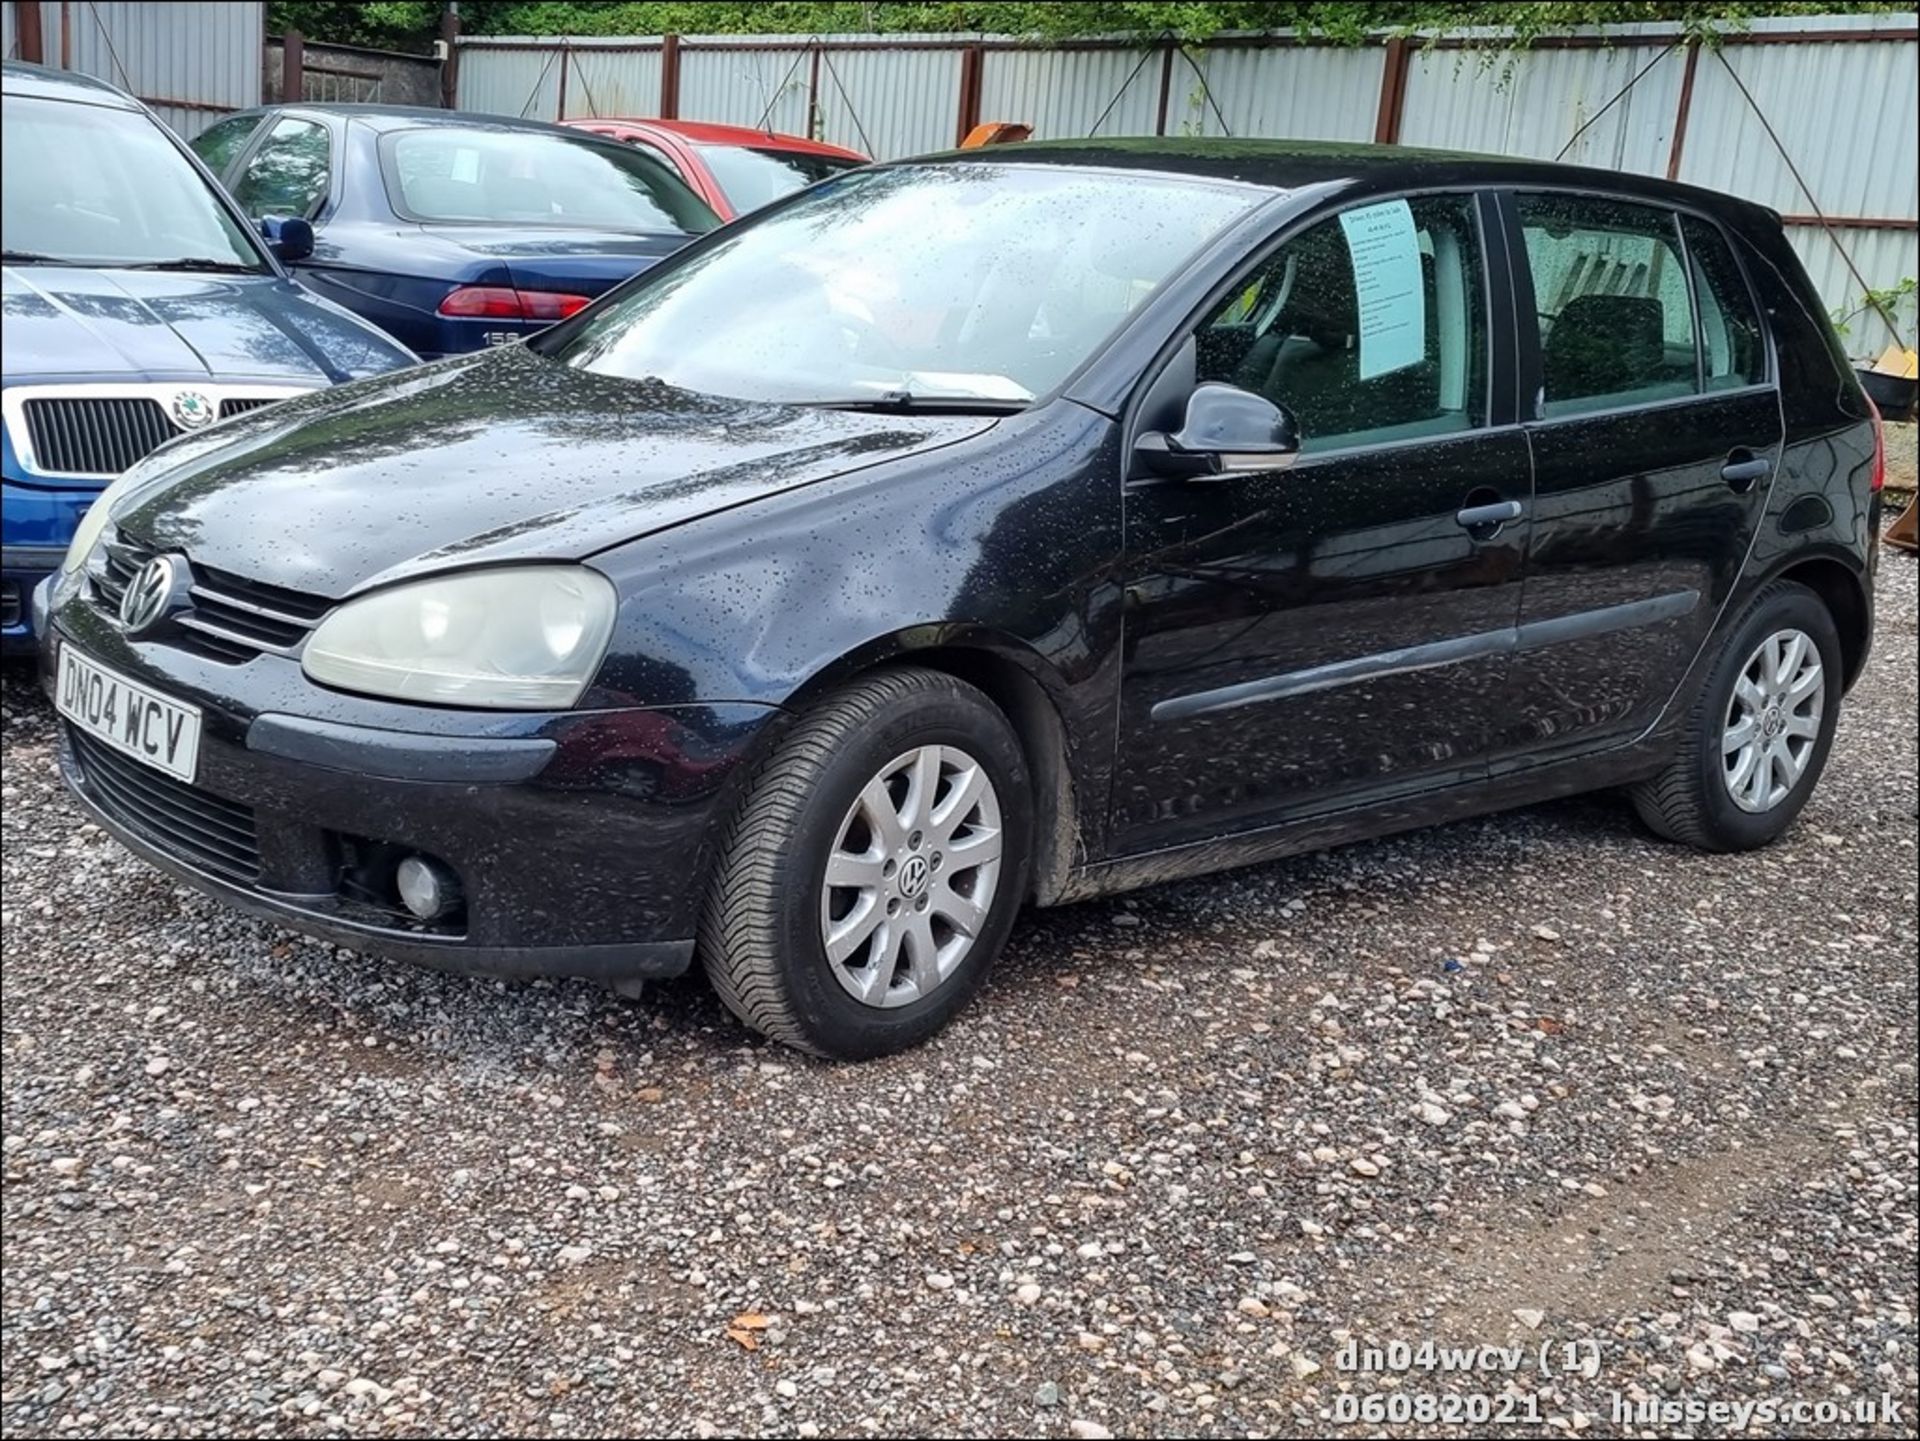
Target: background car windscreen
column 528, row 178
column 752, row 177
column 962, row 281
column 96, row 186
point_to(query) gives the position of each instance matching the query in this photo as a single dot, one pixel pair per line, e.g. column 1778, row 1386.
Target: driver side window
column 288, row 173
column 1368, row 327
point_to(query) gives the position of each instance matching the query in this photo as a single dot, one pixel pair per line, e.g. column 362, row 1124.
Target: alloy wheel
column 1773, row 721
column 910, row 880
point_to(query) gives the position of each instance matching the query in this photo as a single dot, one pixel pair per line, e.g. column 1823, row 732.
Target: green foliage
column 385, row 24
column 401, row 24
column 1896, row 304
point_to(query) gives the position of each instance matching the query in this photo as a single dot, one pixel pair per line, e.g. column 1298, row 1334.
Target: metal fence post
column 972, row 61
column 450, row 67
column 1393, row 93
column 1166, row 87
column 1685, row 109
column 26, row 32
column 814, row 126
column 293, row 67
column 670, row 77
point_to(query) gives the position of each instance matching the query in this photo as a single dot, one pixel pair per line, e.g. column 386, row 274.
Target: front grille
column 234, row 619
column 94, row 436
column 240, row 404
column 101, row 429
column 206, row 830
column 10, row 607
column 122, row 557
column 231, row 618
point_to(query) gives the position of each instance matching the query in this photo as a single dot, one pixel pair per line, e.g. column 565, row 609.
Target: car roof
column 1283, row 165
column 408, row 117
column 20, row 78
column 705, row 132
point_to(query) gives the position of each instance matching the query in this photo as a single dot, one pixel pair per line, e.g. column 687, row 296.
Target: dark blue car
column 139, row 305
column 454, row 232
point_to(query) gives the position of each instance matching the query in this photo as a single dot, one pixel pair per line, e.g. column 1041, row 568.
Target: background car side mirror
column 288, row 236
column 1227, row 431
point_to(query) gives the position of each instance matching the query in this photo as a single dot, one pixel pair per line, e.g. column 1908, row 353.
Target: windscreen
column 99, row 186
column 957, row 281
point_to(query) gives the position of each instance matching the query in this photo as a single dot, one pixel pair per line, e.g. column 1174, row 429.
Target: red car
column 733, row 168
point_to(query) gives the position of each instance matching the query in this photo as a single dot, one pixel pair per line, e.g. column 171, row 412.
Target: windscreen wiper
column 195, row 262
column 900, row 402
column 29, row 257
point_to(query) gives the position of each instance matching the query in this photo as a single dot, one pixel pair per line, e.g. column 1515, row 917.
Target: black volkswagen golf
column 991, row 529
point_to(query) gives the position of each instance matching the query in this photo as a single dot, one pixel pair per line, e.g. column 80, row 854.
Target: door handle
column 1744, row 470
column 1483, row 522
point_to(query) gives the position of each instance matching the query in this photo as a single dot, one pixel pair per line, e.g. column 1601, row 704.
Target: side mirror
column 1227, row 431
column 288, row 236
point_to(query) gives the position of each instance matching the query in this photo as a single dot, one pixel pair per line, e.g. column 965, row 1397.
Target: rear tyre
column 1758, row 737
column 874, row 869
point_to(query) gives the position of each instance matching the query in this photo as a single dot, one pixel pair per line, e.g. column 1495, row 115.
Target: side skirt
column 1643, row 758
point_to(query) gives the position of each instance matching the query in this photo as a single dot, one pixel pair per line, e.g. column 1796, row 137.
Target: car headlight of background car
column 86, row 535
column 510, row 638
column 93, row 524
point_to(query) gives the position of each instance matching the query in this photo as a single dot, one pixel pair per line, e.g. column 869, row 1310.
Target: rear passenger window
column 1369, row 327
column 1610, row 286
column 1732, row 348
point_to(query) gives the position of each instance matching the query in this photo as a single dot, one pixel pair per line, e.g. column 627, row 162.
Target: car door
column 1335, row 631
column 1655, row 427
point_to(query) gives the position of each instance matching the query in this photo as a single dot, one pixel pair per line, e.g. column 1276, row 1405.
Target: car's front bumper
column 36, row 525
column 580, row 840
column 22, row 568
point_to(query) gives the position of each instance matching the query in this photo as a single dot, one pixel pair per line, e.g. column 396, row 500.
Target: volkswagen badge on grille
column 150, row 593
column 191, row 410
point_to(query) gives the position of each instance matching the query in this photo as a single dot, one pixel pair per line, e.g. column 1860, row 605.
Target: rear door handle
column 1483, row 522
column 1744, row 469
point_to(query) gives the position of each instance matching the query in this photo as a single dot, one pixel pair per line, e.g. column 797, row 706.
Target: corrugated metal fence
column 192, row 62
column 1841, row 91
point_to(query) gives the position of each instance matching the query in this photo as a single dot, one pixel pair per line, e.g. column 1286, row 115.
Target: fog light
column 427, row 888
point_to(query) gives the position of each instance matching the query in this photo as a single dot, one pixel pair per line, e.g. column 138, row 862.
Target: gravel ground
column 1189, row 1144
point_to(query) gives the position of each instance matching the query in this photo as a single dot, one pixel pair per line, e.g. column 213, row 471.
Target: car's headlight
column 509, row 638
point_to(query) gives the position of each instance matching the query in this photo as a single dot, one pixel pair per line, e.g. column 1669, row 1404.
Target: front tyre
column 1758, row 738
column 874, row 869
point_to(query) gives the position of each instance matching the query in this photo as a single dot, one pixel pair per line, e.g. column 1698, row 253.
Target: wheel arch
column 1029, row 691
column 1845, row 592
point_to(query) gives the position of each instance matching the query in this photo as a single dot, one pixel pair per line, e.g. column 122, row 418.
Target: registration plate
column 127, row 716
